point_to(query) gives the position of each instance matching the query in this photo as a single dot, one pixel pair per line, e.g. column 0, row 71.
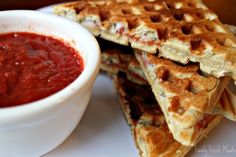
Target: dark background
column 226, row 9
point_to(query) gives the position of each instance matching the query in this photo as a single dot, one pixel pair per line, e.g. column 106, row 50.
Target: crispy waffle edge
column 191, row 31
column 182, row 125
column 147, row 136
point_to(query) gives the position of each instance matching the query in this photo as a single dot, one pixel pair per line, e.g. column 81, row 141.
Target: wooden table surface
column 226, row 9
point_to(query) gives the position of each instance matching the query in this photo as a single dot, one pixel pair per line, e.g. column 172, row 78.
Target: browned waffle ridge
column 189, row 93
column 148, row 125
column 185, row 94
column 115, row 59
column 181, row 30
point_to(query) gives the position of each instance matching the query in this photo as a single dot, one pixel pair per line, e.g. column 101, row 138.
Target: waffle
column 227, row 107
column 116, row 58
column 148, row 126
column 180, row 30
column 231, row 28
column 183, row 92
column 113, row 61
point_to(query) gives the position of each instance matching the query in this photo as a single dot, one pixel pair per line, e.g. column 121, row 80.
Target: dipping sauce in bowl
column 43, row 54
column 34, row 66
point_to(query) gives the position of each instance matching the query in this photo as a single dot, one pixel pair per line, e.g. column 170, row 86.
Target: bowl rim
column 89, row 72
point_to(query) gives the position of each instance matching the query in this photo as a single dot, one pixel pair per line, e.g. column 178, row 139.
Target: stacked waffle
column 172, row 80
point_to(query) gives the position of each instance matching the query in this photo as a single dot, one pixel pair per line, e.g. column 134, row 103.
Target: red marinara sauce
column 34, row 66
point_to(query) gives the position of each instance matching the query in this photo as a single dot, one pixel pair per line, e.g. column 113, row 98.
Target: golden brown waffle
column 181, row 30
column 232, row 29
column 148, row 126
column 112, row 61
column 227, row 107
column 115, row 59
column 183, row 92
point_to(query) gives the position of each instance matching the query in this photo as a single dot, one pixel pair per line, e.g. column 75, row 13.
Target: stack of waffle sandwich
column 171, row 61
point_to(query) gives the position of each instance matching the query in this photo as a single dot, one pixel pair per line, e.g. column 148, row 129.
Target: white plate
column 103, row 131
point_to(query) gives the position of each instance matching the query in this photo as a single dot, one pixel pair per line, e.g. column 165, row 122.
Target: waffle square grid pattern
column 180, row 30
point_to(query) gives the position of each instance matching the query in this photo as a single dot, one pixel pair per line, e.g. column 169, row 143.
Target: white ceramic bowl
column 34, row 129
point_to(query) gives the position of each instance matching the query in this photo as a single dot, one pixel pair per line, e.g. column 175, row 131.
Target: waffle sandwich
column 121, row 59
column 182, row 124
column 147, row 122
column 185, row 94
column 226, row 107
column 184, row 31
column 117, row 58
column 180, row 30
